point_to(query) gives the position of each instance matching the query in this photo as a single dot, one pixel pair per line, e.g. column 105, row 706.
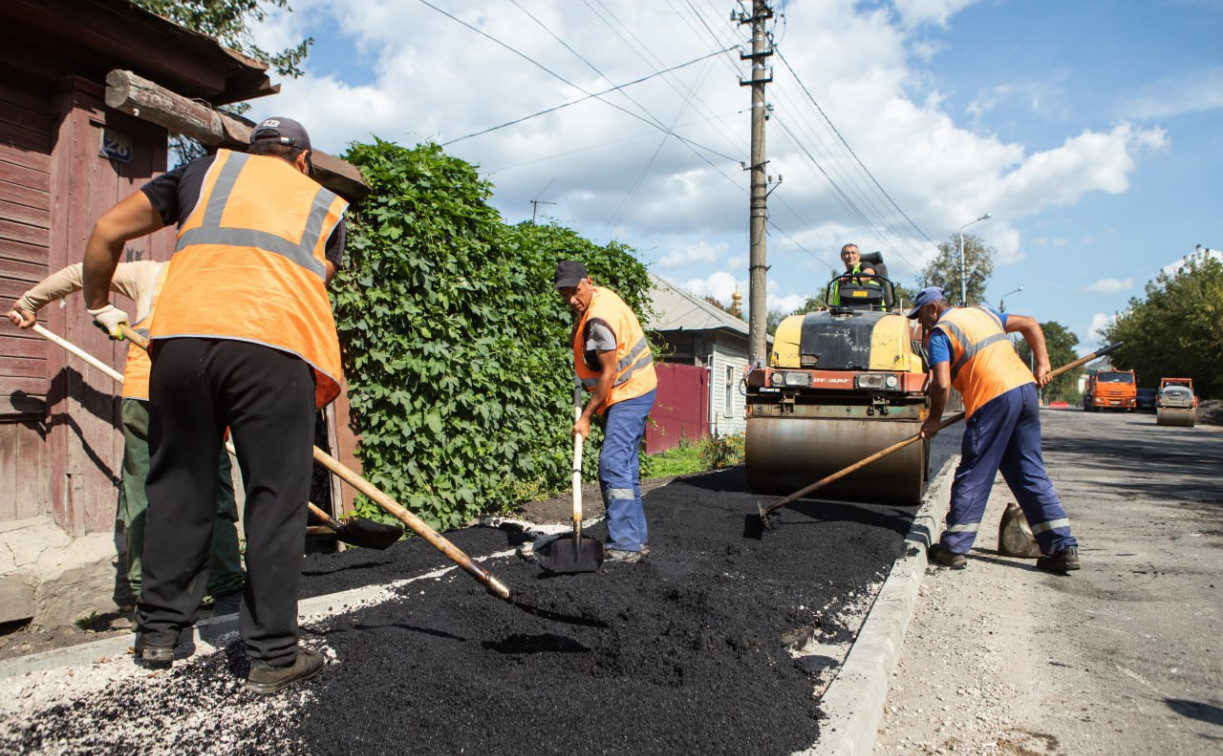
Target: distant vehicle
column 1146, row 400
column 1176, row 404
column 1186, row 382
column 1111, row 389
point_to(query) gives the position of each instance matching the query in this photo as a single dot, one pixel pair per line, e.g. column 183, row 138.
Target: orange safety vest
column 249, row 264
column 983, row 362
column 635, row 374
column 136, row 370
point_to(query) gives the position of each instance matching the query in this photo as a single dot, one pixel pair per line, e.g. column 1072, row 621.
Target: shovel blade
column 369, row 534
column 569, row 555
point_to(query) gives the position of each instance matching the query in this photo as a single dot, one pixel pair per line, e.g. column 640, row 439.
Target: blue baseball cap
column 925, row 297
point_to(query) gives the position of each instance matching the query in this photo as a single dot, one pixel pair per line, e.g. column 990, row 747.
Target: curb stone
column 852, row 707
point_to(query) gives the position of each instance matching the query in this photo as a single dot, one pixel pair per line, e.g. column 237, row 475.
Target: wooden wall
column 59, row 417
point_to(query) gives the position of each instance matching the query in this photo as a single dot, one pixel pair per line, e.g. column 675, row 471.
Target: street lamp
column 1002, row 300
column 963, row 283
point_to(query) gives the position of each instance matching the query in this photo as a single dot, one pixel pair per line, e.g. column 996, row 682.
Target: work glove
column 109, row 318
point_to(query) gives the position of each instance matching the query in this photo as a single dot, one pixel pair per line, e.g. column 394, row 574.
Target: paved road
column 1122, row 657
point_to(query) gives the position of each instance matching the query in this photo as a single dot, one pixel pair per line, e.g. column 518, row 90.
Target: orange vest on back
column 635, row 374
column 249, row 264
column 136, row 370
column 983, row 362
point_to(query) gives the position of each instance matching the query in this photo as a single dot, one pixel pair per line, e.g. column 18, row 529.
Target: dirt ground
column 1121, row 657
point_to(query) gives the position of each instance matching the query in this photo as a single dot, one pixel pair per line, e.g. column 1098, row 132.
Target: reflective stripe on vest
column 983, row 363
column 835, row 299
column 136, row 370
column 635, row 374
column 250, row 264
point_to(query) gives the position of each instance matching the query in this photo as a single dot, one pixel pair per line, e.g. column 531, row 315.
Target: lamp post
column 1002, row 300
column 963, row 283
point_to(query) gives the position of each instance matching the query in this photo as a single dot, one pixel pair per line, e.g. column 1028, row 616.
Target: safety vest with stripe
column 835, row 298
column 136, row 370
column 983, row 362
column 249, row 264
column 635, row 374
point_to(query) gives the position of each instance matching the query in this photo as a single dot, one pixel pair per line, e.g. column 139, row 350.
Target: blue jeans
column 1004, row 435
column 620, row 472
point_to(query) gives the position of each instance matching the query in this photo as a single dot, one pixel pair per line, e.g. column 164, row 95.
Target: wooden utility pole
column 757, row 303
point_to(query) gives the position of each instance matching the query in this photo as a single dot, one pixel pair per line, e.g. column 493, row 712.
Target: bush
column 722, row 451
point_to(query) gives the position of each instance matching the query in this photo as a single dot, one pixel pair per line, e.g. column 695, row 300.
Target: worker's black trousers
column 198, row 388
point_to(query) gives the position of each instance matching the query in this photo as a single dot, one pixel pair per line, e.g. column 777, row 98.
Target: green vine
column 455, row 342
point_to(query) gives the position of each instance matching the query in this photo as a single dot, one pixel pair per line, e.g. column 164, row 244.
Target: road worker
column 139, row 281
column 612, row 358
column 243, row 339
column 969, row 350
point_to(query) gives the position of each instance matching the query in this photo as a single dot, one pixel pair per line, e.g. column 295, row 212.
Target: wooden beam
column 139, row 97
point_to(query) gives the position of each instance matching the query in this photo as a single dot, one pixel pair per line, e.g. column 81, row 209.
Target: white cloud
column 720, row 286
column 1099, row 321
column 1110, row 286
column 916, row 12
column 693, row 253
column 1193, row 93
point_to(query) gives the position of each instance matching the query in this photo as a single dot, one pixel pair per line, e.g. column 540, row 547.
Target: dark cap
column 569, row 273
column 282, row 130
column 925, row 297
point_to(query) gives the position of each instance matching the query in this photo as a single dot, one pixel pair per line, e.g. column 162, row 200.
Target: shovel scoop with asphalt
column 579, row 553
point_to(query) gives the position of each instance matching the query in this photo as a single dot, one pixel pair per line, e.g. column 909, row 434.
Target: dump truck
column 1111, row 389
column 841, row 384
column 1175, row 403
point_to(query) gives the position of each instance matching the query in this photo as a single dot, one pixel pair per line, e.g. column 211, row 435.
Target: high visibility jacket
column 136, row 370
column 635, row 374
column 984, row 365
column 249, row 264
column 835, row 298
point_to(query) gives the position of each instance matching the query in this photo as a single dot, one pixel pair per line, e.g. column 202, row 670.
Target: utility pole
column 757, row 305
column 535, row 207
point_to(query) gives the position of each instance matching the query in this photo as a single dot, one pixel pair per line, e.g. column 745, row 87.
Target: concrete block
column 16, row 597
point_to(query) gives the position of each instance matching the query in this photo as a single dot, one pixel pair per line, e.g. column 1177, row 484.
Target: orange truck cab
column 1111, row 389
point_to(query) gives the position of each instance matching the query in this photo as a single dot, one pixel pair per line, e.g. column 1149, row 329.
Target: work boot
column 264, row 678
column 230, row 603
column 940, row 554
column 160, row 656
column 614, row 556
column 1062, row 561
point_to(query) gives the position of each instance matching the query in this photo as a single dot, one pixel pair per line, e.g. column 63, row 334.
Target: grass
column 683, row 459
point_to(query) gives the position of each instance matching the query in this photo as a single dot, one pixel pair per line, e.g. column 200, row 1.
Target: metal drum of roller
column 841, row 384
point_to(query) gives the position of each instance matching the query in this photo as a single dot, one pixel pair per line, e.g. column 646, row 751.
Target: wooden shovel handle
column 418, row 526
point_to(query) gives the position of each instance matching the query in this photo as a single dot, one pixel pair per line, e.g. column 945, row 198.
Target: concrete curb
column 852, row 707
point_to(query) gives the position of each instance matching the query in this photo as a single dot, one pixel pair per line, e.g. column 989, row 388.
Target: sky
column 1088, row 130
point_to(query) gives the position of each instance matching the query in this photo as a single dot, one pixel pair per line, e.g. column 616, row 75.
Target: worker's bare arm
column 602, row 389
column 131, row 218
column 940, row 390
column 1031, row 331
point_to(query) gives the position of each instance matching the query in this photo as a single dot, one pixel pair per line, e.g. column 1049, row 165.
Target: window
column 729, row 391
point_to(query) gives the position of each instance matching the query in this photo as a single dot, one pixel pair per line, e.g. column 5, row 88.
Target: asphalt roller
column 841, row 384
column 1176, row 405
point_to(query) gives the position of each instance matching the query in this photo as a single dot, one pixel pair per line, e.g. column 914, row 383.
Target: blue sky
column 1090, row 130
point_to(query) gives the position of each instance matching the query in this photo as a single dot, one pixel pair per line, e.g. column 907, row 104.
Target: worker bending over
column 969, row 350
column 139, row 282
column 613, row 361
column 243, row 338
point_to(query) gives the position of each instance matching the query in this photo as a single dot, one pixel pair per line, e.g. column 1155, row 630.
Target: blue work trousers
column 620, row 472
column 1004, row 435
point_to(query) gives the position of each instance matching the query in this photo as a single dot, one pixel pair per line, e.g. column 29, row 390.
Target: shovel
column 357, row 532
column 754, row 528
column 420, row 527
column 580, row 553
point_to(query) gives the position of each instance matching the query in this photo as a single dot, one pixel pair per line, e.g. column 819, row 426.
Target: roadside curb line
column 852, row 707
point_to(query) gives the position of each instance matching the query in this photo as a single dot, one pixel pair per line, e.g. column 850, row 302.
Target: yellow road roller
column 841, row 384
column 1175, row 403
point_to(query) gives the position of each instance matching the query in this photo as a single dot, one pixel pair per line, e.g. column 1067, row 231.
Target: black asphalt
column 695, row 656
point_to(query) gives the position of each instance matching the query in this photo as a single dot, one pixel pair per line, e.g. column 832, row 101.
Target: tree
column 944, row 269
column 1175, row 330
column 229, row 22
column 1060, row 344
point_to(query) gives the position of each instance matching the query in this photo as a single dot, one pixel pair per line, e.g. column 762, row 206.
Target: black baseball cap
column 569, row 273
column 283, row 130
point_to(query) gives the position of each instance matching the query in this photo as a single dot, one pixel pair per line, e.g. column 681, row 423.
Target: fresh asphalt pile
column 698, row 654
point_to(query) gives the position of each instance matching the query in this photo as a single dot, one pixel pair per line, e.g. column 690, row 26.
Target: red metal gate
column 681, row 407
